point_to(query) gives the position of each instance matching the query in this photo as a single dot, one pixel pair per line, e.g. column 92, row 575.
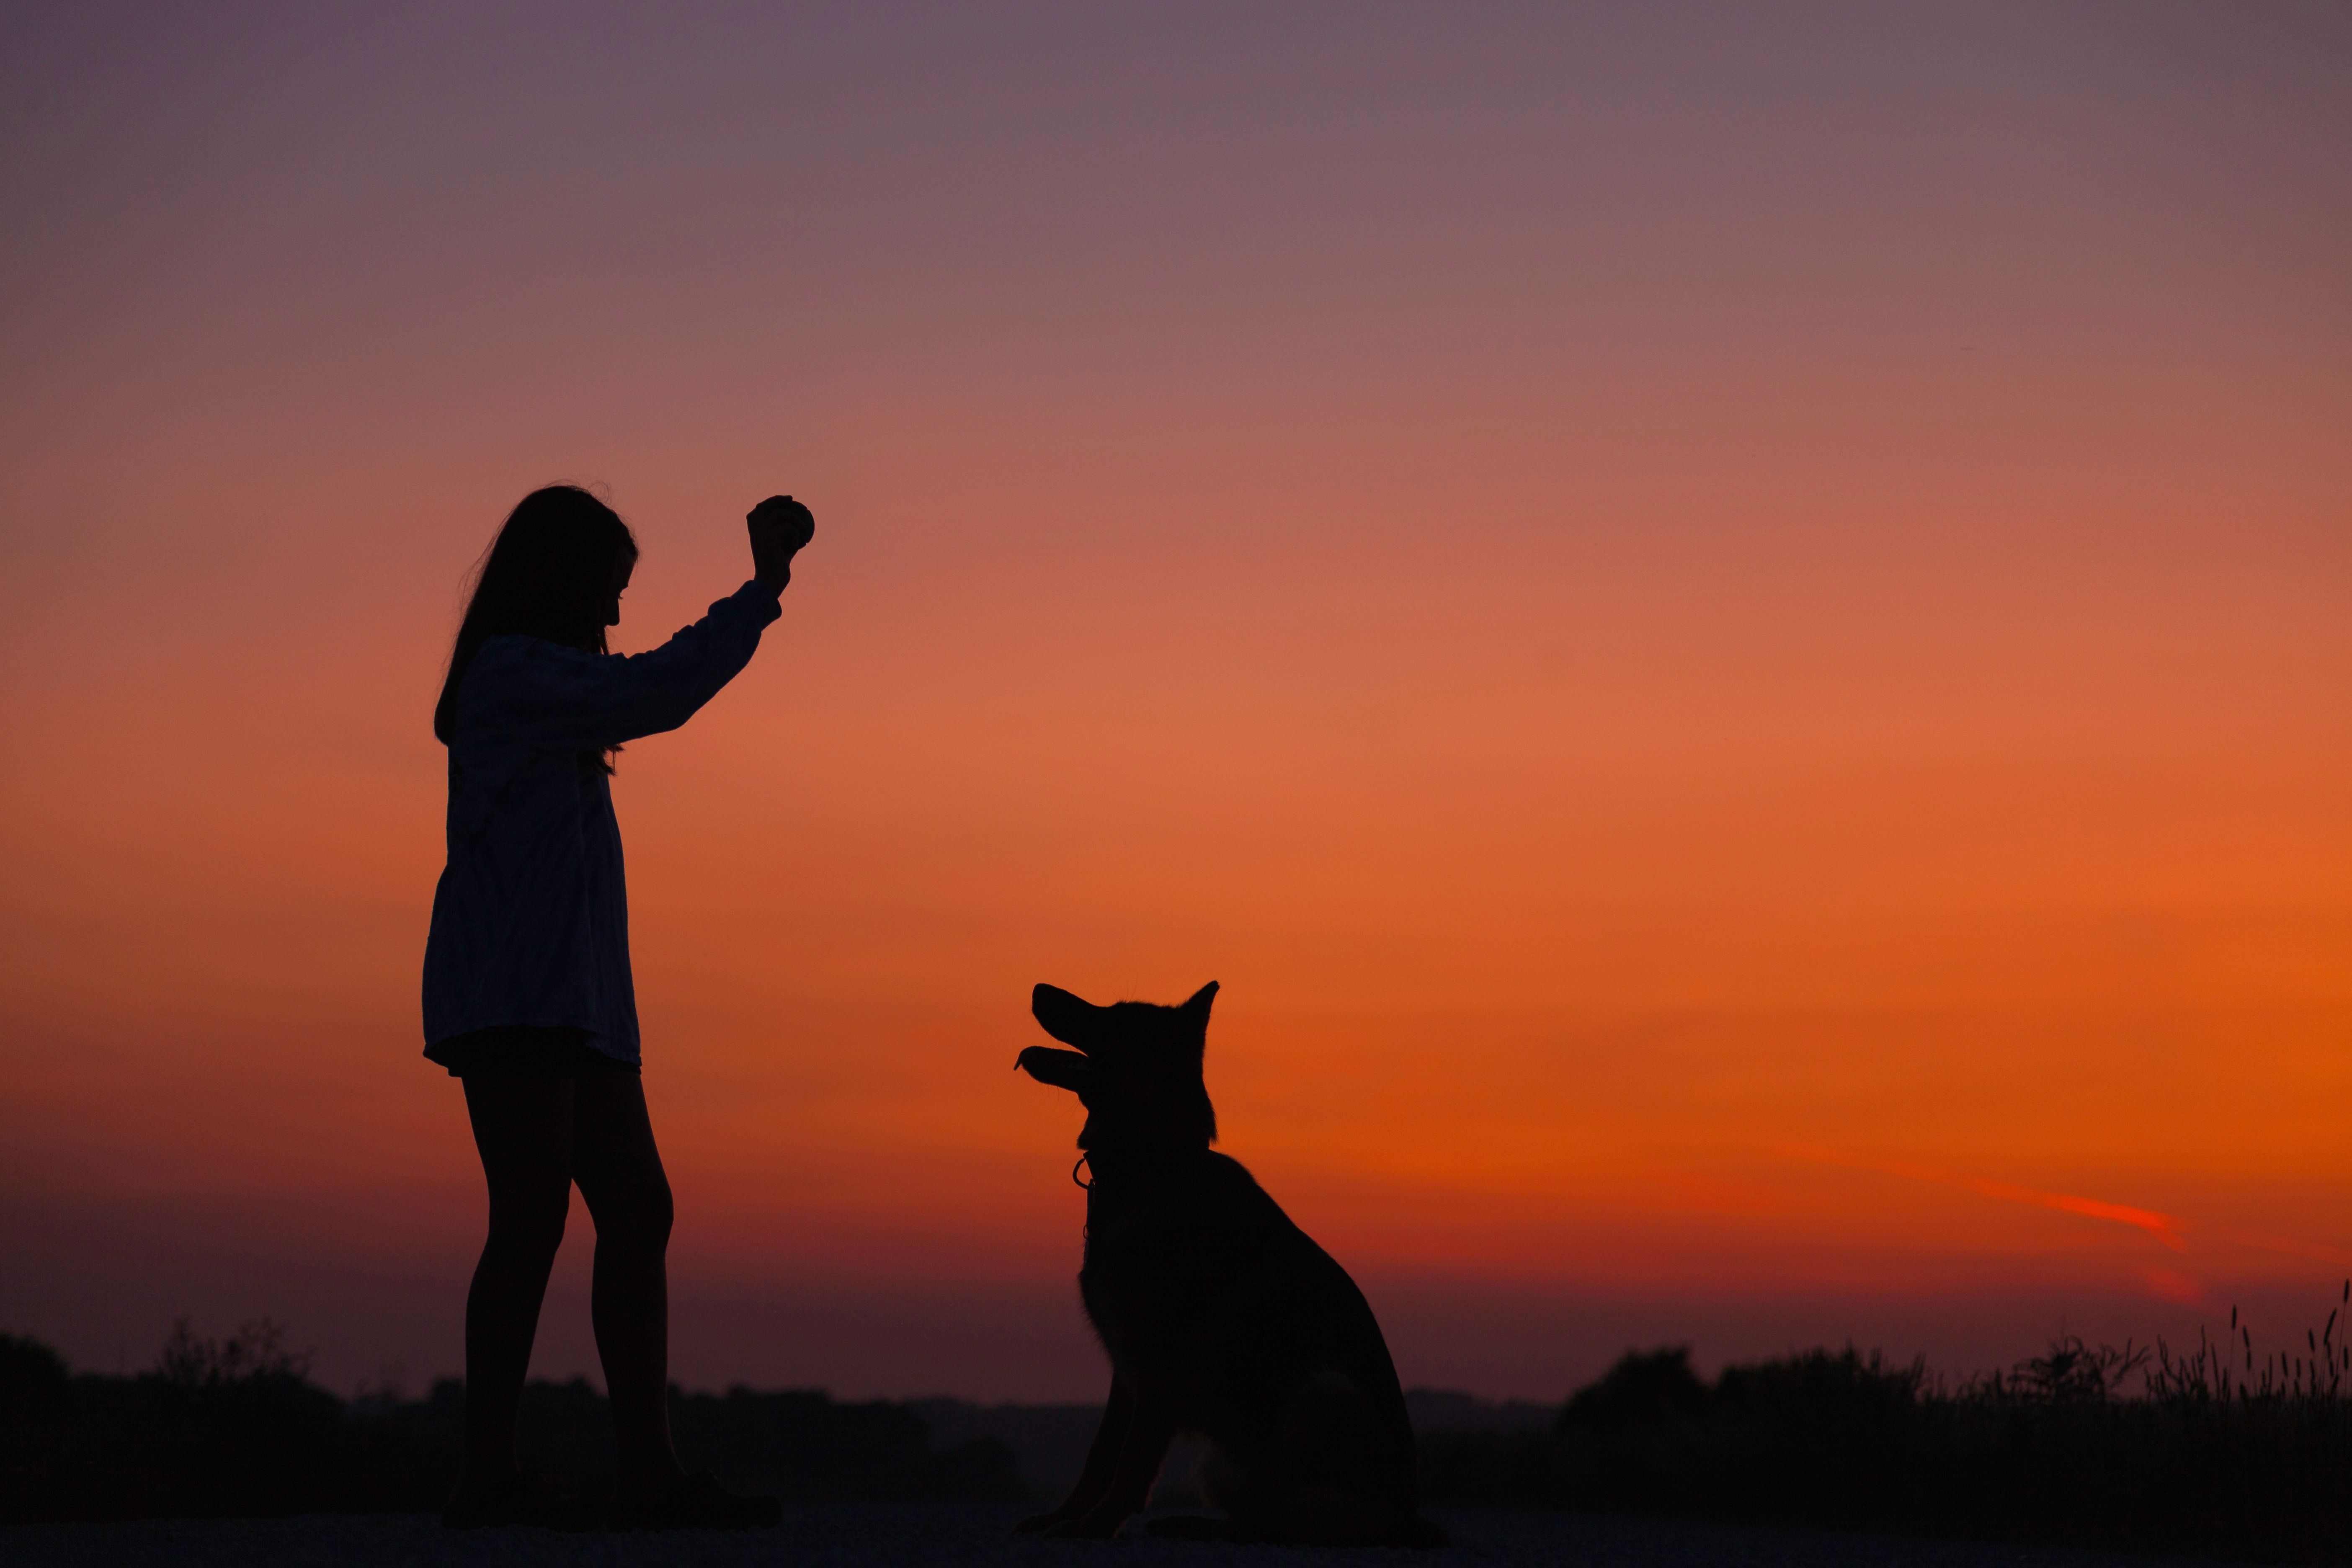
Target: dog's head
column 1136, row 1066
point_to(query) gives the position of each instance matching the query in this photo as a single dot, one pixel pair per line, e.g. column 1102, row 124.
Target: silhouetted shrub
column 33, row 1387
column 35, row 1409
column 1818, row 1385
column 1642, row 1387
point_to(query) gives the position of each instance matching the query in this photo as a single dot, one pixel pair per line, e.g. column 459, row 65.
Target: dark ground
column 949, row 1535
column 1049, row 1442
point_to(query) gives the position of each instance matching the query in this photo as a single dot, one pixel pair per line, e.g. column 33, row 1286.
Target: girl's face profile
column 623, row 570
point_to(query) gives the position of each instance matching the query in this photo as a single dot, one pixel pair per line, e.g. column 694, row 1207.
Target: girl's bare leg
column 523, row 1129
column 620, row 1174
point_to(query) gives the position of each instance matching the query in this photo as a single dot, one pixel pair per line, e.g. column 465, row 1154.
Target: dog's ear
column 1196, row 1006
column 1073, row 1020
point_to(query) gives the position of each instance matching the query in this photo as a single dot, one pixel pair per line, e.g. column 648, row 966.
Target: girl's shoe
column 693, row 1503
column 523, row 1500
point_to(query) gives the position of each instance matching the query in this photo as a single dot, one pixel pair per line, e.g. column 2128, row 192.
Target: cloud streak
column 2164, row 1228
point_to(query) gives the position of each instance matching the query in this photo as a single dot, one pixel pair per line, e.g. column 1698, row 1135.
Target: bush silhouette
column 1644, row 1385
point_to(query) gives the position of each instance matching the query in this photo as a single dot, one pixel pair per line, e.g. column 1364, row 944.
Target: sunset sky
column 1730, row 627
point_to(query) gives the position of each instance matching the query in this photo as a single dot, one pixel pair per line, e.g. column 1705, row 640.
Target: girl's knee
column 639, row 1218
column 646, row 1219
column 530, row 1227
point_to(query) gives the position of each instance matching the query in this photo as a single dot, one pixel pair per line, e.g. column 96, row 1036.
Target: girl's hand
column 779, row 528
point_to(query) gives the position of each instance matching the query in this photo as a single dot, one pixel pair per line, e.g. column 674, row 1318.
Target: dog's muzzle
column 1062, row 1069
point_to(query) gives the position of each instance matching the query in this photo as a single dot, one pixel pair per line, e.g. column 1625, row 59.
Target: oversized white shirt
column 530, row 921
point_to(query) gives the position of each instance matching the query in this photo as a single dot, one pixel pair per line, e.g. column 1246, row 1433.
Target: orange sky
column 1730, row 638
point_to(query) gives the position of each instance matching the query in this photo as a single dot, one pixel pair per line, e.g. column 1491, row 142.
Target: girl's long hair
column 548, row 574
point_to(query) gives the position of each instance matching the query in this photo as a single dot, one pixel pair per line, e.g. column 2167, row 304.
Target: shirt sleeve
column 560, row 699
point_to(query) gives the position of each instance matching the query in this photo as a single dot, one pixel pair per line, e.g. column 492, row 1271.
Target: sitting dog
column 1221, row 1317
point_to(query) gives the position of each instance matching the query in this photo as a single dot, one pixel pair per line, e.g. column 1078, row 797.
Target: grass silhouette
column 2225, row 1451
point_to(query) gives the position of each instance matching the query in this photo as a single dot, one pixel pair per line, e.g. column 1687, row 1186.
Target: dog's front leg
column 1102, row 1461
column 1149, row 1430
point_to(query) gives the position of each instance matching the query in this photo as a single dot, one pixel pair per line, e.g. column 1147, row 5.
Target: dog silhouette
column 1221, row 1317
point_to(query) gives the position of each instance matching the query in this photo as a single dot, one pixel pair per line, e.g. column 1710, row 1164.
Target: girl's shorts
column 524, row 1050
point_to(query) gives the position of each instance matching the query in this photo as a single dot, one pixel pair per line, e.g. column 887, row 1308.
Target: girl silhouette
column 528, row 999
